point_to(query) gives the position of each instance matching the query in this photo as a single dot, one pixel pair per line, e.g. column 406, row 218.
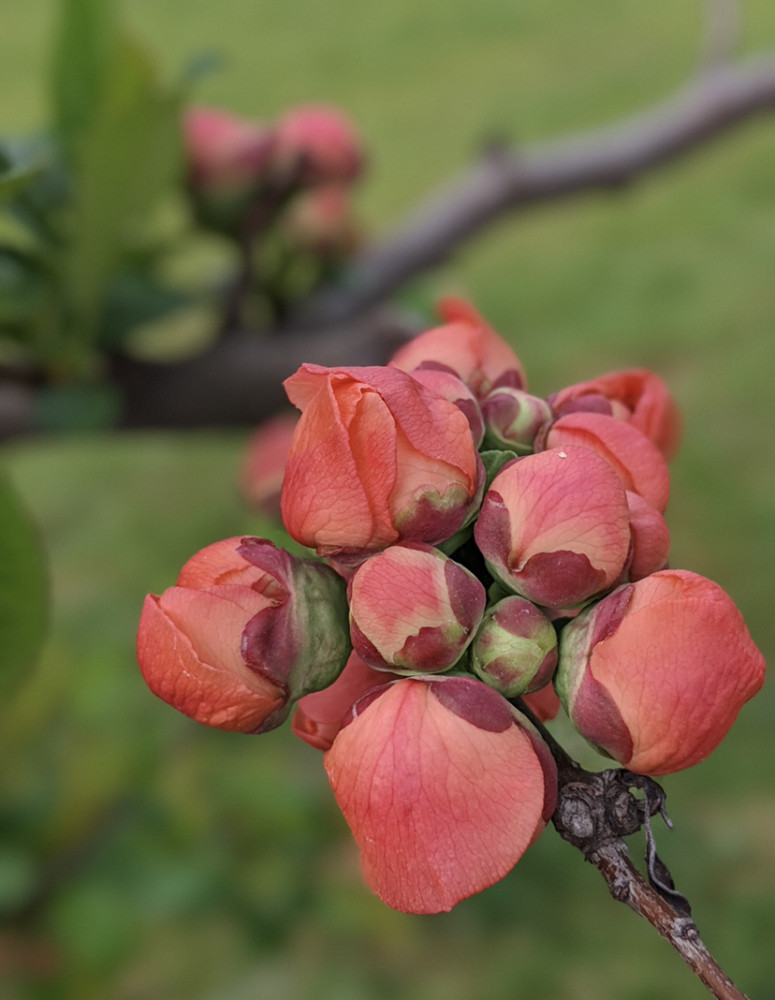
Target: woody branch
column 236, row 381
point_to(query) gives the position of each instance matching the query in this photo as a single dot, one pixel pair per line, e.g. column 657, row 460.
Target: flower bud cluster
column 285, row 187
column 480, row 551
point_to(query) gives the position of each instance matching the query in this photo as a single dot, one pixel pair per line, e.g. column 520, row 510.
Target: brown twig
column 237, row 381
column 594, row 812
column 722, row 32
column 627, row 885
column 509, row 179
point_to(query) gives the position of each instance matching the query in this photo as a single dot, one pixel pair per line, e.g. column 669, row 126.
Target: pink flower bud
column 188, row 648
column 248, row 629
column 322, row 141
column 320, row 221
column 466, row 345
column 513, row 418
column 263, row 465
column 377, row 458
column 515, row 649
column 638, row 463
column 448, row 385
column 636, row 395
column 650, row 538
column 319, row 716
column 227, row 155
column 655, row 674
column 413, row 609
column 444, row 786
column 554, row 527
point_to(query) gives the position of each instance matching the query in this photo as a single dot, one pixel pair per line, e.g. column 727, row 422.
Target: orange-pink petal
column 439, row 807
column 638, row 463
column 188, row 650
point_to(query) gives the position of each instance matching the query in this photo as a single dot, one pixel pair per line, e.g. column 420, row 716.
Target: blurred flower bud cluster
column 482, row 557
column 283, row 191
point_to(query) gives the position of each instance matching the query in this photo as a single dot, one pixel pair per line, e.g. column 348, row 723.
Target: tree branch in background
column 237, row 381
column 722, row 33
column 506, row 180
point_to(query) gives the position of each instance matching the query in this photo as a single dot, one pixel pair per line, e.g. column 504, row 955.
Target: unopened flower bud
column 320, row 221
column 650, row 538
column 636, row 395
column 320, row 142
column 227, row 155
column 413, row 609
column 635, row 459
column 377, row 458
column 554, row 527
column 515, row 649
column 513, row 418
column 247, row 630
column 466, row 345
column 447, row 384
column 655, row 674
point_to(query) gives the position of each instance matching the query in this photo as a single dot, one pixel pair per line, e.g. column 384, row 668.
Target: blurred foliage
column 121, row 222
column 23, row 591
column 141, row 856
column 82, row 199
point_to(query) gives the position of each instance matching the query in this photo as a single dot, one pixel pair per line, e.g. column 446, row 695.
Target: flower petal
column 440, row 807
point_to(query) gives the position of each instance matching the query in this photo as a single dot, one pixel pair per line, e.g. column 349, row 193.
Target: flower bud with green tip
column 554, row 527
column 512, row 419
column 414, row 610
column 515, row 649
column 655, row 673
column 247, row 631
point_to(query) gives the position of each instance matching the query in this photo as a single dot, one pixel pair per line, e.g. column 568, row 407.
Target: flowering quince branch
column 483, row 557
column 594, row 812
column 242, row 176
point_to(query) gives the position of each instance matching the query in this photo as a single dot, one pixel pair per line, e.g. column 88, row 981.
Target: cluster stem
column 594, row 812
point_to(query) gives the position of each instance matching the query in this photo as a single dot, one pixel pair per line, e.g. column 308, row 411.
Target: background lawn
column 152, row 858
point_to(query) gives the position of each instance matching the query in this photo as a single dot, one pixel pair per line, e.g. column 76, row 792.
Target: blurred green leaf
column 36, row 202
column 76, row 406
column 94, row 929
column 21, row 289
column 17, row 876
column 16, row 172
column 201, row 65
column 135, row 299
column 14, row 180
column 83, row 51
column 23, row 591
column 127, row 157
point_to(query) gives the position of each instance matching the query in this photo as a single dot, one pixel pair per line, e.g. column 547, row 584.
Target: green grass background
column 158, row 859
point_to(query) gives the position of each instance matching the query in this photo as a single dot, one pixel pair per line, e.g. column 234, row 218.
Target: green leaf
column 129, row 155
column 22, row 287
column 16, row 173
column 135, row 299
column 15, row 180
column 23, row 591
column 76, row 406
column 83, row 51
column 37, row 190
column 494, row 460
